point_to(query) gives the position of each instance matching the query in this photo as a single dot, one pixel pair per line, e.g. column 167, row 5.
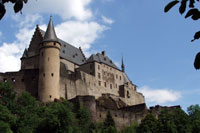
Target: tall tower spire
column 49, row 66
column 122, row 66
column 50, row 35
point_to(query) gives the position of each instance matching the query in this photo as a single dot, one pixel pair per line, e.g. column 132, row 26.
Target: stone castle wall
column 123, row 117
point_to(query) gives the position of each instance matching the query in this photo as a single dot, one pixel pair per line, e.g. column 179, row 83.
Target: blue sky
column 156, row 46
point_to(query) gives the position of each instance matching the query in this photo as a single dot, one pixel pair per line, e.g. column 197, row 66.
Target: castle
column 52, row 68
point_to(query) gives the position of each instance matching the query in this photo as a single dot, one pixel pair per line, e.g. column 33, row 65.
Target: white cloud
column 159, row 96
column 67, row 9
column 10, row 53
column 76, row 28
column 107, row 20
column 27, row 21
column 78, row 33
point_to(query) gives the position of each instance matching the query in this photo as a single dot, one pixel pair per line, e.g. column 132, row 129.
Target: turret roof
column 50, row 34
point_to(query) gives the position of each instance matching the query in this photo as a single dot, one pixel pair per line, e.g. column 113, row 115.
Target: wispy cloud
column 159, row 96
column 107, row 20
column 67, row 9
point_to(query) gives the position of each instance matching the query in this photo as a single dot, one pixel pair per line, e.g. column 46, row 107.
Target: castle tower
column 49, row 66
column 122, row 66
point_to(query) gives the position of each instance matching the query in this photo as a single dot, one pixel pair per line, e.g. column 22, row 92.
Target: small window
column 48, row 58
column 110, row 86
column 116, row 76
column 64, row 45
column 13, row 80
column 104, row 84
column 43, row 74
column 98, row 66
column 111, row 61
column 128, row 95
column 64, row 51
column 52, row 74
column 76, row 54
column 49, row 96
column 104, row 58
column 5, row 80
column 120, row 77
column 100, row 115
column 73, row 56
column 111, row 69
column 54, row 43
column 99, row 75
column 99, row 83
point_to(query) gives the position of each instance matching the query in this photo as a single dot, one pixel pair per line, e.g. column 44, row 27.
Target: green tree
column 166, row 122
column 57, row 117
column 27, row 112
column 7, row 95
column 130, row 129
column 181, row 120
column 18, row 5
column 193, row 12
column 84, row 120
column 194, row 114
column 148, row 125
column 7, row 120
column 109, row 124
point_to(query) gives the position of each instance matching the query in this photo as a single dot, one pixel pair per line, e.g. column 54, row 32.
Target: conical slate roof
column 50, row 35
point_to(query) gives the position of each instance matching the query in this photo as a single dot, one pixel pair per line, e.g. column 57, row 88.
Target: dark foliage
column 17, row 6
column 24, row 114
column 191, row 11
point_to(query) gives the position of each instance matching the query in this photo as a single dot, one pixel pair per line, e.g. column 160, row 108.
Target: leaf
column 13, row 1
column 197, row 61
column 183, row 6
column 192, row 12
column 191, row 5
column 25, row 1
column 196, row 16
column 18, row 6
column 2, row 10
column 170, row 5
column 196, row 36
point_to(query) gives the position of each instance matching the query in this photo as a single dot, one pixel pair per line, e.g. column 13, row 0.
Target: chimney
column 103, row 53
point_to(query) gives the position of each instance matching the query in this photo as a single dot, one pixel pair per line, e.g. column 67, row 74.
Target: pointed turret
column 50, row 35
column 122, row 66
column 25, row 54
column 49, row 66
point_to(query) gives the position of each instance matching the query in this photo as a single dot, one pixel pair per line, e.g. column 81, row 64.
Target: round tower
column 49, row 66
